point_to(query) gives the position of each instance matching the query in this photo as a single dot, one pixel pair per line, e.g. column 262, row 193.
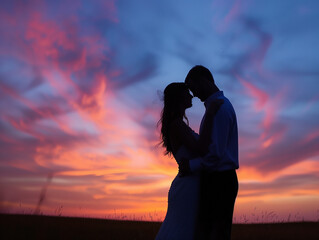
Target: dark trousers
column 218, row 191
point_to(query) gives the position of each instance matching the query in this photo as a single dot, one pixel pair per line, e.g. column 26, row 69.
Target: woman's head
column 176, row 99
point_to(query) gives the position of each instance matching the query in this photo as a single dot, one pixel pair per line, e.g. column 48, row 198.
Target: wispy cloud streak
column 78, row 98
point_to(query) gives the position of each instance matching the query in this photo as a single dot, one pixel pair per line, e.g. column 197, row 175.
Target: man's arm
column 217, row 146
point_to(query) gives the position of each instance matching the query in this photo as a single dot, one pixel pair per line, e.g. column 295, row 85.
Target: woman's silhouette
column 182, row 142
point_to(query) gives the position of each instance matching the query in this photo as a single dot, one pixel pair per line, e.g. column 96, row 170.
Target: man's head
column 201, row 82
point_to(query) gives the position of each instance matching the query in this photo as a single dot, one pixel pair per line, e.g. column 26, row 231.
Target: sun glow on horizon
column 80, row 100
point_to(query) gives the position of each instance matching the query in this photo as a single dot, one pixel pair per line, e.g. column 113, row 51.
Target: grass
column 51, row 227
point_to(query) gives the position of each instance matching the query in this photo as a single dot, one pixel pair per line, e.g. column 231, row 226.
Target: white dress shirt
column 223, row 150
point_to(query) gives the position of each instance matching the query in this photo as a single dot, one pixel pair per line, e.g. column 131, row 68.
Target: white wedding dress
column 183, row 197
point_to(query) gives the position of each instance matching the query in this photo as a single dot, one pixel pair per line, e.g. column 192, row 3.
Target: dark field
column 46, row 227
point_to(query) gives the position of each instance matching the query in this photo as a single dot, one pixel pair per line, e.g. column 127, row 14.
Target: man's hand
column 183, row 168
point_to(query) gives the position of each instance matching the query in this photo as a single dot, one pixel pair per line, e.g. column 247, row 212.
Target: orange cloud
column 102, row 150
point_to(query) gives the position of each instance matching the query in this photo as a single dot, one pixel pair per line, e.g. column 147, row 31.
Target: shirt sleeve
column 214, row 159
column 220, row 135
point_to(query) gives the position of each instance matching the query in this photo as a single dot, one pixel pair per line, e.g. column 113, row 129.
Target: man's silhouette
column 218, row 184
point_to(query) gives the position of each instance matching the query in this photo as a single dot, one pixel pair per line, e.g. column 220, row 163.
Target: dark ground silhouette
column 47, row 227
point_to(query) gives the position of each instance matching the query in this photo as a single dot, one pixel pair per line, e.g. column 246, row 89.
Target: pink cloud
column 231, row 15
column 261, row 97
column 103, row 150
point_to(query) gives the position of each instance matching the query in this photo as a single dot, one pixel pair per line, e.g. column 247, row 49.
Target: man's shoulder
column 227, row 108
column 228, row 102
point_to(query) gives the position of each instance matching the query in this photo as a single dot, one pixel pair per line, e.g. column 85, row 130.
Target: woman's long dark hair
column 173, row 95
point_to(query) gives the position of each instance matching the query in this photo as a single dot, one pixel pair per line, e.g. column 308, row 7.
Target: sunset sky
column 80, row 96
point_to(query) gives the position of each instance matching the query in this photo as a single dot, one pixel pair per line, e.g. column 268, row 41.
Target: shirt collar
column 212, row 97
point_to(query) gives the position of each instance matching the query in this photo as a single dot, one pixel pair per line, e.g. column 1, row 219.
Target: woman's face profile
column 187, row 99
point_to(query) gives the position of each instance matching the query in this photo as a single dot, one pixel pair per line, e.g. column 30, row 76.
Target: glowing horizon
column 80, row 97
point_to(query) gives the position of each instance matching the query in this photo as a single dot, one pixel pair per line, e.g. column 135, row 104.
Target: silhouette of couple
column 202, row 196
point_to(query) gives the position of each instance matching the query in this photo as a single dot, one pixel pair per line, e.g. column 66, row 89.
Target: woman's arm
column 184, row 134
